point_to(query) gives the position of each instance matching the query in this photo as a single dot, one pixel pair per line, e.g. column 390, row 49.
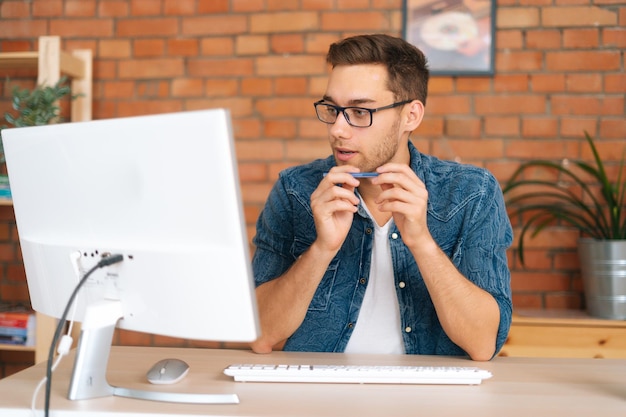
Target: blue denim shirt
column 466, row 217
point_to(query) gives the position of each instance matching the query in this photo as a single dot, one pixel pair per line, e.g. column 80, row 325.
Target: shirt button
column 407, row 329
column 362, row 281
column 394, row 235
column 401, row 284
column 368, row 230
column 350, row 325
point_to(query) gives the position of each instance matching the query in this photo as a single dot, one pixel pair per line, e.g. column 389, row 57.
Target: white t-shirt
column 378, row 327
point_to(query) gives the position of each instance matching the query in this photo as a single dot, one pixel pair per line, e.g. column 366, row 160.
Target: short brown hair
column 406, row 64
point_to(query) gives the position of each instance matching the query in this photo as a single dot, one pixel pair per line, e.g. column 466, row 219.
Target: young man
column 410, row 260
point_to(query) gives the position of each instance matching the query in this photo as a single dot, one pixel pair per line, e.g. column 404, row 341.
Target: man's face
column 364, row 147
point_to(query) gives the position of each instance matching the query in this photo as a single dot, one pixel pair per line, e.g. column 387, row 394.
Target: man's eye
column 357, row 112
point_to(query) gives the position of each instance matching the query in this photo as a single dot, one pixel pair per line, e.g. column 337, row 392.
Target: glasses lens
column 358, row 116
column 355, row 116
column 326, row 113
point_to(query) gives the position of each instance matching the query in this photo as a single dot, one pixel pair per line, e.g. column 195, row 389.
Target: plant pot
column 603, row 270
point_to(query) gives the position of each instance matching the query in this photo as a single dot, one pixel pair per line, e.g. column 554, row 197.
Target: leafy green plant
column 570, row 200
column 35, row 107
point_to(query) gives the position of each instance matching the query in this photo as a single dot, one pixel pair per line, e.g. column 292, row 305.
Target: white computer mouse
column 167, row 371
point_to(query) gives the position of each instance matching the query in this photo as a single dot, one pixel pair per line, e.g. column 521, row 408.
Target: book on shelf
column 17, row 326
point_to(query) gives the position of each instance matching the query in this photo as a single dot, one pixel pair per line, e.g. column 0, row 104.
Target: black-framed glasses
column 355, row 116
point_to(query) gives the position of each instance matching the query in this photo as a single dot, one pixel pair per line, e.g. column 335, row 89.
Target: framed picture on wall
column 457, row 36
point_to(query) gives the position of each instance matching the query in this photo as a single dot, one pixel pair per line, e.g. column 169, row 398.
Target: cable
column 109, row 260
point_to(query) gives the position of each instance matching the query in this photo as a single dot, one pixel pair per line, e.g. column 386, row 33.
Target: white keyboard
column 357, row 374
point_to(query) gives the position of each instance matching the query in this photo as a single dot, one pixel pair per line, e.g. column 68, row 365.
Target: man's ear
column 414, row 115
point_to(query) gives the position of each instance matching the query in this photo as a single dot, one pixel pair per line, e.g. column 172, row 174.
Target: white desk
column 528, row 387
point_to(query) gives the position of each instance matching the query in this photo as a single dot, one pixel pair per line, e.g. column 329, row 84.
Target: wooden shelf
column 51, row 63
column 564, row 333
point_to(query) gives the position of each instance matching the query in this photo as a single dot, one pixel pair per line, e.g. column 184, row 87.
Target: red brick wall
column 559, row 71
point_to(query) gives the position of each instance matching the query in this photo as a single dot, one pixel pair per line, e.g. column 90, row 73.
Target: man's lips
column 344, row 154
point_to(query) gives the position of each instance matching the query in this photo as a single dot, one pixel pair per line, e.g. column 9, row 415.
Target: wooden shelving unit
column 52, row 63
column 563, row 333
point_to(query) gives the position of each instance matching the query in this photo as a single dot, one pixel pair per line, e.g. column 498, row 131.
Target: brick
column 256, row 86
column 473, row 84
column 178, row 8
column 113, row 8
column 584, row 83
column 182, row 47
column 279, row 128
column 14, row 9
column 214, row 25
column 543, row 281
column 543, row 39
column 80, row 8
column 613, row 128
column 23, row 28
column 511, row 83
column 49, row 8
column 517, row 17
column 283, row 22
column 510, row 104
column 509, row 39
column 144, row 107
column 581, row 38
column 238, row 106
column 287, row 44
column 148, row 47
column 219, row 46
column 318, row 4
column 151, row 68
column 502, row 126
column 247, row 128
column 114, row 48
column 577, row 16
column 252, row 171
column 284, row 107
column 145, row 7
column 244, row 5
column 118, row 89
column 153, row 89
column 221, row 88
column 587, row 105
column 252, row 45
column 187, row 87
column 146, row 27
column 573, row 126
column 74, row 28
column 217, row 67
column 289, row 86
column 217, row 6
column 290, row 65
column 545, row 127
column 354, row 21
column 469, row 127
column 525, row 61
column 469, row 149
column 255, row 193
column 448, row 105
column 614, row 37
column 307, row 150
column 547, row 82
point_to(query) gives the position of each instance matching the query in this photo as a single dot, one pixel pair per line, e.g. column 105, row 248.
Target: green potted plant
column 597, row 209
column 35, row 107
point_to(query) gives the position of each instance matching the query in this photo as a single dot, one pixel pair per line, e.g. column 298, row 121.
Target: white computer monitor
column 161, row 190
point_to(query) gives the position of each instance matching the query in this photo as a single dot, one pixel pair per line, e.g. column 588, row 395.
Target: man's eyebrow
column 353, row 102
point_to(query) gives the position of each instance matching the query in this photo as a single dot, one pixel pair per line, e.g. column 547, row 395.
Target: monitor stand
column 89, row 374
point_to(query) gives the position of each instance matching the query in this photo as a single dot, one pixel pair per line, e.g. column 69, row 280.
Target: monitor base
column 92, row 355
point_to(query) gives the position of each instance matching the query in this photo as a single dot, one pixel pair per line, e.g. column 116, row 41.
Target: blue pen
column 361, row 174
